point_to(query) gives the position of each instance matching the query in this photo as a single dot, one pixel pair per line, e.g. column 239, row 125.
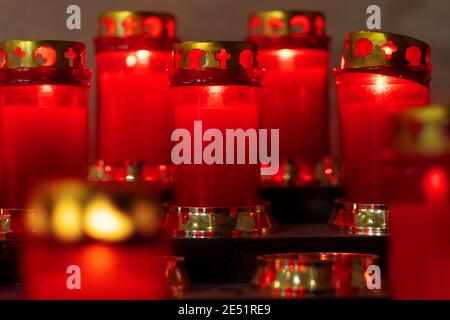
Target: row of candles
column 44, row 120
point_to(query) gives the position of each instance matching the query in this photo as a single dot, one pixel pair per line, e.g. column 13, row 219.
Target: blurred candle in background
column 417, row 173
column 88, row 243
column 133, row 51
column 293, row 50
column 215, row 87
column 380, row 73
column 44, row 115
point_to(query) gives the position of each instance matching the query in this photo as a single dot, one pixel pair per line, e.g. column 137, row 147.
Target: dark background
column 226, row 20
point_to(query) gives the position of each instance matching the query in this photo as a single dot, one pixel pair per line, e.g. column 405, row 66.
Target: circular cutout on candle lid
column 25, row 62
column 364, row 49
column 300, row 275
column 360, row 218
column 43, row 53
column 215, row 54
column 215, row 62
column 136, row 23
column 423, row 131
column 211, row 222
column 277, row 29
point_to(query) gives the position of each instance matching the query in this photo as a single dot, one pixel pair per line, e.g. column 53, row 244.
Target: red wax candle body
column 43, row 137
column 365, row 101
column 419, row 204
column 294, row 99
column 134, row 116
column 219, row 107
column 107, row 272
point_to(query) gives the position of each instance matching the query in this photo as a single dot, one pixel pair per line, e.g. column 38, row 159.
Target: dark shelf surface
column 237, row 291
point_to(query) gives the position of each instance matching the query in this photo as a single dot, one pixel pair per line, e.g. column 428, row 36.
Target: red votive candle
column 87, row 243
column 417, row 173
column 133, row 52
column 215, row 87
column 293, row 50
column 44, row 115
column 381, row 73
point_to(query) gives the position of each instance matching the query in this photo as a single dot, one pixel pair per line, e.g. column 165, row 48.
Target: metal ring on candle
column 104, row 171
column 360, row 218
column 324, row 172
column 135, row 30
column 136, row 23
column 277, row 29
column 43, row 61
column 210, row 222
column 364, row 49
column 299, row 275
column 215, row 62
column 12, row 221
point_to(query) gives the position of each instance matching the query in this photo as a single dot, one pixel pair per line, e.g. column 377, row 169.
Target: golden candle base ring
column 303, row 275
column 176, row 276
column 360, row 218
column 212, row 222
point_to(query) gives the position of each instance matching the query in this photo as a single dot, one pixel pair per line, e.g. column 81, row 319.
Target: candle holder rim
column 390, row 34
column 261, row 204
column 137, row 12
column 191, row 44
column 311, row 257
column 361, row 205
column 288, row 11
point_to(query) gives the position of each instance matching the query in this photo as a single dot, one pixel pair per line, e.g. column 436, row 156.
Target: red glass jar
column 417, row 173
column 293, row 50
column 88, row 243
column 381, row 73
column 133, row 52
column 215, row 87
column 44, row 115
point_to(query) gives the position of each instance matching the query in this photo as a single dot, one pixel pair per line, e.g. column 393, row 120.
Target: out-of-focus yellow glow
column 147, row 218
column 103, row 221
column 37, row 223
column 66, row 220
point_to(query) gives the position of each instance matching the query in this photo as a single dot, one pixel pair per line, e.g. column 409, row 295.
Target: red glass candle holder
column 293, row 50
column 89, row 243
column 381, row 73
column 215, row 86
column 134, row 118
column 44, row 115
column 417, row 173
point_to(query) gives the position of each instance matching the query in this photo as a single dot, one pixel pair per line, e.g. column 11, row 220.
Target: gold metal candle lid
column 364, row 49
column 423, row 131
column 215, row 54
column 286, row 23
column 136, row 23
column 42, row 53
